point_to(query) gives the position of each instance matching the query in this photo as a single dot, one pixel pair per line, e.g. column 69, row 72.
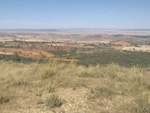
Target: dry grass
column 106, row 86
column 5, row 94
column 53, row 100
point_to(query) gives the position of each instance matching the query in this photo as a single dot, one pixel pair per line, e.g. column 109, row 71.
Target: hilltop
column 69, row 88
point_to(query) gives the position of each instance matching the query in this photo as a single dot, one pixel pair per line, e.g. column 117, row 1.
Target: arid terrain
column 74, row 72
column 68, row 88
column 74, row 56
column 41, row 45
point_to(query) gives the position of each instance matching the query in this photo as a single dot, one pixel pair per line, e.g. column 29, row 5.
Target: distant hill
column 46, row 30
column 76, row 29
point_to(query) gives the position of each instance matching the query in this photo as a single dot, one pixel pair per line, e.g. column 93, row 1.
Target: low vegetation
column 5, row 94
column 49, row 71
column 53, row 100
column 39, row 101
column 120, row 88
column 90, row 56
column 143, row 102
column 15, row 58
column 51, row 87
column 38, row 75
column 101, row 91
column 38, row 93
column 108, row 56
column 20, row 82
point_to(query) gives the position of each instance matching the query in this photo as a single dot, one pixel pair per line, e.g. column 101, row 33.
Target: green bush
column 16, row 57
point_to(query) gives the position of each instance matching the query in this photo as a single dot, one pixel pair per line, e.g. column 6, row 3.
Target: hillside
column 70, row 88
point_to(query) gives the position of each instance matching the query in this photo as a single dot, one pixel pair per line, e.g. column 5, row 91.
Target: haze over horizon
column 56, row 14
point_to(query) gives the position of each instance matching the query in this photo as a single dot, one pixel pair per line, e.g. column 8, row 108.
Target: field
column 74, row 72
column 145, row 48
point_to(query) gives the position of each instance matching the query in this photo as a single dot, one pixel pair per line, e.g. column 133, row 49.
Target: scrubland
column 71, row 88
column 87, row 76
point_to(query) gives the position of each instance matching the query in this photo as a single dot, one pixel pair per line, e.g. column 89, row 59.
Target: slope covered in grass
column 68, row 88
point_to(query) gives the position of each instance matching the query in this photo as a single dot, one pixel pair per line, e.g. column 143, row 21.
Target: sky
column 54, row 14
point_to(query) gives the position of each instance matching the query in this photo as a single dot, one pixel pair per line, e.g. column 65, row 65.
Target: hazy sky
column 39, row 14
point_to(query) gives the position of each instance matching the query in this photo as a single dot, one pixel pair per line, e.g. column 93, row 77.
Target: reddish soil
column 121, row 43
column 34, row 53
column 44, row 47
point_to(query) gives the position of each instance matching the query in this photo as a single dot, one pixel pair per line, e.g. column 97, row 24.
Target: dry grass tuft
column 53, row 101
column 51, row 87
column 38, row 93
column 5, row 94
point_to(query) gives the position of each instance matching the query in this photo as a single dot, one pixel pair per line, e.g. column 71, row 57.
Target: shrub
column 143, row 104
column 101, row 91
column 53, row 101
column 4, row 98
column 5, row 95
column 16, row 57
column 51, row 87
column 20, row 82
column 38, row 93
column 39, row 101
column 84, row 72
column 48, row 72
